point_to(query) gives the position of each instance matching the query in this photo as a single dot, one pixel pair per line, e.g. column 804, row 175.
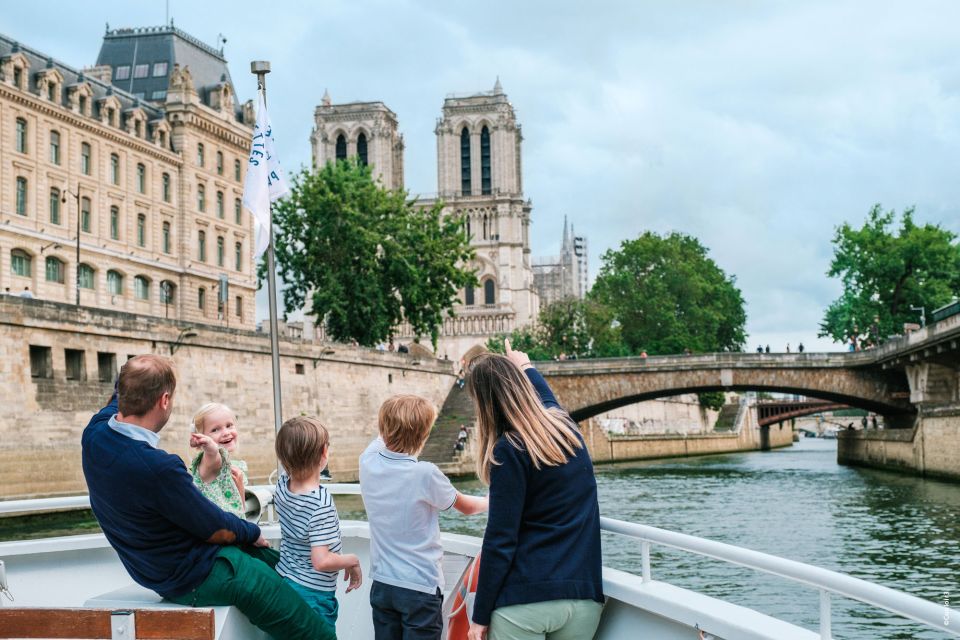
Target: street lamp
column 923, row 315
column 185, row 334
column 63, row 199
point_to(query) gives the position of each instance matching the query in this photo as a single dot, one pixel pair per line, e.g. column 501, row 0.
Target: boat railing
column 827, row 582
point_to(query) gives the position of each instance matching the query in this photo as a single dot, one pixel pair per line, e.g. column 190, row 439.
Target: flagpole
column 261, row 68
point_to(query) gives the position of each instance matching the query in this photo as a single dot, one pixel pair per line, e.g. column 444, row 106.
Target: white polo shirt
column 403, row 497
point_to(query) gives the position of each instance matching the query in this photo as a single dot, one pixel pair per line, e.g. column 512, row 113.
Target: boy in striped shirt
column 310, row 546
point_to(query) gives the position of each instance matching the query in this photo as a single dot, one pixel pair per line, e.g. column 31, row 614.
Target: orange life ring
column 461, row 605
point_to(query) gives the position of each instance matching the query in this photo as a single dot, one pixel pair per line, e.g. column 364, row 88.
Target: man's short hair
column 143, row 381
column 300, row 446
column 405, row 422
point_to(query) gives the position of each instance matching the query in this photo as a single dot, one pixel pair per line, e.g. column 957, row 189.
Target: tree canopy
column 668, row 296
column 886, row 271
column 366, row 258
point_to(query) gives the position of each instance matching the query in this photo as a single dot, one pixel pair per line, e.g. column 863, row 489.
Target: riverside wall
column 929, row 448
column 42, row 417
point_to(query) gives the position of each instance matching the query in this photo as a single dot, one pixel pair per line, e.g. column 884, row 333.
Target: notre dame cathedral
column 479, row 174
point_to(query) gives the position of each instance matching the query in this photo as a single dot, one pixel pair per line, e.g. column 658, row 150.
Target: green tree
column 668, row 296
column 366, row 257
column 573, row 327
column 885, row 272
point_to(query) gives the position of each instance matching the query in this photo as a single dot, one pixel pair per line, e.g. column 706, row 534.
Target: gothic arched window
column 362, row 148
column 489, row 292
column 468, row 298
column 465, row 162
column 341, row 147
column 485, row 227
column 485, row 187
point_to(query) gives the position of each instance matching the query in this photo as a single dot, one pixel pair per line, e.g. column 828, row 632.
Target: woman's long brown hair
column 507, row 404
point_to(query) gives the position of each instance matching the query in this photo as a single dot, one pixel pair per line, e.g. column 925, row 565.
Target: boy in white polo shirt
column 403, row 496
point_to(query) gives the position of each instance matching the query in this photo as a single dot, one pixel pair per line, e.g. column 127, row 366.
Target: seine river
column 899, row 531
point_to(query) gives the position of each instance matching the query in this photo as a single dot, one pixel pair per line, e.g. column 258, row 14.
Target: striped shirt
column 307, row 520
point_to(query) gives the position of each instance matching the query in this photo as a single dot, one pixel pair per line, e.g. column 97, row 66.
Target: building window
column 201, row 197
column 239, row 305
column 468, row 297
column 362, row 148
column 85, row 214
column 141, row 229
column 141, row 178
column 21, row 196
column 55, row 205
column 160, row 95
column 55, row 270
column 219, row 163
column 237, row 211
column 115, row 283
column 82, row 105
column 200, row 154
column 220, row 204
column 141, row 71
column 159, row 69
column 18, row 77
column 236, row 170
column 122, row 72
column 114, row 168
column 238, row 256
column 341, row 147
column 55, row 147
column 485, row 226
column 489, row 292
column 201, row 246
column 201, row 298
column 166, row 187
column 21, row 135
column 114, row 222
column 465, row 162
column 485, row 187
column 141, row 288
column 75, row 365
column 299, row 369
column 21, row 263
column 85, row 158
column 41, row 362
column 106, row 366
column 51, row 91
column 220, row 251
column 86, row 276
column 166, row 237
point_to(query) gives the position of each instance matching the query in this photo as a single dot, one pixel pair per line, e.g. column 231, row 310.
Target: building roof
column 39, row 61
column 154, row 46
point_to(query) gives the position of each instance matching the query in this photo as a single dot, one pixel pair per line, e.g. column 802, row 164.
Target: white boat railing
column 824, row 580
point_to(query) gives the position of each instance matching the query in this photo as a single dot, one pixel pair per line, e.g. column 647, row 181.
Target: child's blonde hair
column 405, row 422
column 300, row 445
column 201, row 415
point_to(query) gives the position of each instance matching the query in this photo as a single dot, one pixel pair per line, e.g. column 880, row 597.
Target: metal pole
column 261, row 68
column 77, row 197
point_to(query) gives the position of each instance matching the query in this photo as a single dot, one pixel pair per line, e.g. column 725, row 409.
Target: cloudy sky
column 756, row 126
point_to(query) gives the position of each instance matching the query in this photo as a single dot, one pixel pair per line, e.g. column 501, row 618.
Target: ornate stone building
column 564, row 275
column 143, row 157
column 366, row 130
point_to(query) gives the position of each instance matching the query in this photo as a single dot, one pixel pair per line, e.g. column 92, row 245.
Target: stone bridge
column 892, row 380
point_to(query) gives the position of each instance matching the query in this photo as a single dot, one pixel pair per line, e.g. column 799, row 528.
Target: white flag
column 265, row 181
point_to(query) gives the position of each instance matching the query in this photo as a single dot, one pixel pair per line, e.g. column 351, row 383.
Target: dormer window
column 18, row 77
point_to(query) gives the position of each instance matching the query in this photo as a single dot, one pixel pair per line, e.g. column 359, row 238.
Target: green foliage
column 712, row 400
column 885, row 272
column 568, row 327
column 366, row 257
column 669, row 296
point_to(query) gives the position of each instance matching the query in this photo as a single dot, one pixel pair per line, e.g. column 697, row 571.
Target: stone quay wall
column 73, row 349
column 928, row 449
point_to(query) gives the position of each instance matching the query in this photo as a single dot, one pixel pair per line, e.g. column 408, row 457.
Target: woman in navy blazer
column 540, row 568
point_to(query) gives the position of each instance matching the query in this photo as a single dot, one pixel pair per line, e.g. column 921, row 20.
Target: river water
column 899, row 531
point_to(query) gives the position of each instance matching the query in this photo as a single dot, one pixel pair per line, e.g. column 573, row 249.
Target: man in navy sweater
column 170, row 538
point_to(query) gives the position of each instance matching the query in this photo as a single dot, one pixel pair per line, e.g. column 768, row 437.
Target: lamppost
column 63, row 199
column 923, row 315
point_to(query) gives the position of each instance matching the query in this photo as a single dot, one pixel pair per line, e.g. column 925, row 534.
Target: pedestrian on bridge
column 800, row 347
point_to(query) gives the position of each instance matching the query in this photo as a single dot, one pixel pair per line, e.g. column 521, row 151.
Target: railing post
column 825, row 615
column 645, row 560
